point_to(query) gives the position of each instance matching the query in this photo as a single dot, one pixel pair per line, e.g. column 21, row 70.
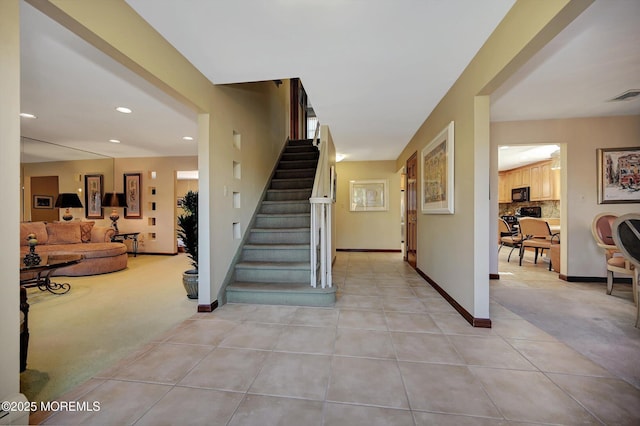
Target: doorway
column 411, row 194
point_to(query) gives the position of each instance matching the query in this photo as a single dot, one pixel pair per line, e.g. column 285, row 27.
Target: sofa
column 76, row 237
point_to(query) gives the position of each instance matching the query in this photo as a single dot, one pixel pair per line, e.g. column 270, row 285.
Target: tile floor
column 391, row 352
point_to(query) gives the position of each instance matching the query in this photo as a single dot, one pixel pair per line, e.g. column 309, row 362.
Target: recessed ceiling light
column 114, row 141
column 187, row 138
column 124, row 110
column 27, row 115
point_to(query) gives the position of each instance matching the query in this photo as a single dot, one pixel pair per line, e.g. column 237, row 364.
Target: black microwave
column 520, row 194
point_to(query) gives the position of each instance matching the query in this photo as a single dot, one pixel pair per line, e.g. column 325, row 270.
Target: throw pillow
column 37, row 228
column 85, row 231
column 64, row 233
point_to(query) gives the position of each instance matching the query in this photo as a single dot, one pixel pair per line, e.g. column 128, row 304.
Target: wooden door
column 44, row 192
column 412, row 209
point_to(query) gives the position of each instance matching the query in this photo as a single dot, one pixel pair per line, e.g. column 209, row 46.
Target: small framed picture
column 43, row 201
column 132, row 185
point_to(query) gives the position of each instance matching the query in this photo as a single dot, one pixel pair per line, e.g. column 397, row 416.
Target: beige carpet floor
column 101, row 319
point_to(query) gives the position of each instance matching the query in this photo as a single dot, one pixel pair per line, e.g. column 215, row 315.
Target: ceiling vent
column 628, row 95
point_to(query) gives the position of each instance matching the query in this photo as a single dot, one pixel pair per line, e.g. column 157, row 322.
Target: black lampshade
column 68, row 200
column 114, row 199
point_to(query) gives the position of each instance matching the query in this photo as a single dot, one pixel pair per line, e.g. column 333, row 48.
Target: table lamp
column 68, row 201
column 114, row 200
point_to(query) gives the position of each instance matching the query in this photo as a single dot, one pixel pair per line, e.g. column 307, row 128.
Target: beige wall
column 582, row 137
column 367, row 230
column 454, row 249
column 10, row 193
column 257, row 113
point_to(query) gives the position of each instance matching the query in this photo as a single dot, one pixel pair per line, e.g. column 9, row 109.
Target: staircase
column 274, row 266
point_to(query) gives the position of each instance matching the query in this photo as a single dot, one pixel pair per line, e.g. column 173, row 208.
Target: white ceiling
column 373, row 70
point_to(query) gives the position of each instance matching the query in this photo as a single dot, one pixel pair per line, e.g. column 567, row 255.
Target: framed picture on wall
column 133, row 194
column 43, row 201
column 618, row 175
column 437, row 173
column 368, row 195
column 93, row 189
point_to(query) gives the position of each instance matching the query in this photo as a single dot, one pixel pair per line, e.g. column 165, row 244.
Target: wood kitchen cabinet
column 504, row 190
column 544, row 182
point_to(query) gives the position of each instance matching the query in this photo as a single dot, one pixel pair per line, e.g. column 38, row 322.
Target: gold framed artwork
column 437, row 173
column 618, row 175
column 132, row 186
column 368, row 195
column 93, row 189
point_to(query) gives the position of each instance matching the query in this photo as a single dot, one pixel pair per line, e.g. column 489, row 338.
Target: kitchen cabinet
column 504, row 190
column 541, row 183
column 544, row 182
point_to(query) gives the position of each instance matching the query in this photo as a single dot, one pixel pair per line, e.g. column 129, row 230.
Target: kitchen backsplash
column 550, row 209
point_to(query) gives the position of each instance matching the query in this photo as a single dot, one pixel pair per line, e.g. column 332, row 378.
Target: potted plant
column 188, row 233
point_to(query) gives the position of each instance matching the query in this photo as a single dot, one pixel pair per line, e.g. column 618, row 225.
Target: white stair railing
column 321, row 212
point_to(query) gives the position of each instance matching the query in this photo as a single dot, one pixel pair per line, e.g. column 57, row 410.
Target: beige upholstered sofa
column 76, row 237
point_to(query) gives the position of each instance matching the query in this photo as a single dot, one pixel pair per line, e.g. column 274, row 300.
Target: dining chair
column 626, row 235
column 536, row 235
column 602, row 230
column 508, row 237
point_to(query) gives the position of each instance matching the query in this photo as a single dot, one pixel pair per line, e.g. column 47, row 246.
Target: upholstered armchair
column 602, row 230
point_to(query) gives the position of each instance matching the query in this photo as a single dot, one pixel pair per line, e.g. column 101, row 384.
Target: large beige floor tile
column 166, row 363
column 453, row 323
column 438, row 304
column 360, row 288
column 404, row 291
column 258, row 410
column 293, row 375
column 366, row 381
column 200, row 332
column 531, row 397
column 364, row 343
column 422, row 291
column 276, row 314
column 359, row 415
column 368, row 320
column 613, row 401
column 555, row 357
column 120, row 403
column 520, row 329
column 490, row 351
column 431, row 419
column 446, row 389
column 184, row 406
column 318, row 317
column 229, row 311
column 403, row 304
column 304, row 339
column 253, row 336
column 412, row 322
column 354, row 301
column 227, row 369
column 425, row 347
